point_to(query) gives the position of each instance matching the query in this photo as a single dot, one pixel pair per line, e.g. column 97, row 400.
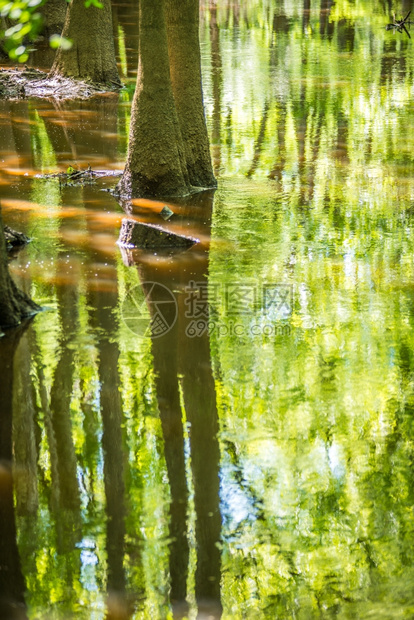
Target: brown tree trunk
column 155, row 163
column 54, row 13
column 169, row 153
column 92, row 55
column 14, row 304
column 182, row 19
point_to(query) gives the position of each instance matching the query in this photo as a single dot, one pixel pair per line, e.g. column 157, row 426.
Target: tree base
column 16, row 307
column 135, row 186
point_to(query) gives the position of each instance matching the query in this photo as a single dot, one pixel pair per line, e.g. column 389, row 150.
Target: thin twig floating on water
column 82, row 176
column 399, row 25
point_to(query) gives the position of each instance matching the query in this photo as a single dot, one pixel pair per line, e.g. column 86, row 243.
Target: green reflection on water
column 311, row 120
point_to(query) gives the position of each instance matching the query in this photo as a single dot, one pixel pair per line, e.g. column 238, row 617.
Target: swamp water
column 252, row 457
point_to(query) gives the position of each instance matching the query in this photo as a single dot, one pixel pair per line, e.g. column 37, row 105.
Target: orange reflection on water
column 18, row 172
column 103, row 219
column 104, row 243
column 155, row 205
column 19, row 205
column 12, row 158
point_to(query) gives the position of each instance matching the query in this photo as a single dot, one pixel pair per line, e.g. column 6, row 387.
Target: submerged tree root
column 28, row 82
column 14, row 240
column 15, row 305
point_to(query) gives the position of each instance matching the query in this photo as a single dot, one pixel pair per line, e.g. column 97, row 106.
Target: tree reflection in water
column 312, row 102
column 183, row 365
column 12, row 583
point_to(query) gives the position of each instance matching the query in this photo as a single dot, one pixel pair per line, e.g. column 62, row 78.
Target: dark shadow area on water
column 12, row 581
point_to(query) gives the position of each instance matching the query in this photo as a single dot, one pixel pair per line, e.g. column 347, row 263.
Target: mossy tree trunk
column 155, row 163
column 92, row 55
column 14, row 304
column 182, row 19
column 168, row 153
column 54, row 13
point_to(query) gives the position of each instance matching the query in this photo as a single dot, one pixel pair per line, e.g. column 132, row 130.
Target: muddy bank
column 23, row 82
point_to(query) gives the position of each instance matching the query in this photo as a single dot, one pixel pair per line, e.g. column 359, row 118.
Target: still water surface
column 253, row 456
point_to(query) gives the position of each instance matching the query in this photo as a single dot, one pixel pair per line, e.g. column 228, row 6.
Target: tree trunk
column 92, row 55
column 14, row 304
column 182, row 19
column 54, row 13
column 156, row 163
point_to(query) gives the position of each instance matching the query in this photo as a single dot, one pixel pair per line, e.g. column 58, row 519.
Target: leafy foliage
column 26, row 24
column 56, row 41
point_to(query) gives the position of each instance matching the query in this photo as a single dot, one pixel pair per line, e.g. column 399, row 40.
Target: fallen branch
column 73, row 174
column 399, row 25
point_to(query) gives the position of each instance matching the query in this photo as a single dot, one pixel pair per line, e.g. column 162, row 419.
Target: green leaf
column 15, row 13
column 11, row 32
column 56, row 41
column 5, row 10
column 94, row 3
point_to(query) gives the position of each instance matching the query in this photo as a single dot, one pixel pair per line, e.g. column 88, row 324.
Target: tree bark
column 155, row 163
column 14, row 304
column 92, row 55
column 54, row 13
column 182, row 19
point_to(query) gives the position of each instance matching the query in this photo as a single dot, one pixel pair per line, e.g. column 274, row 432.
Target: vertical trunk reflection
column 181, row 360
